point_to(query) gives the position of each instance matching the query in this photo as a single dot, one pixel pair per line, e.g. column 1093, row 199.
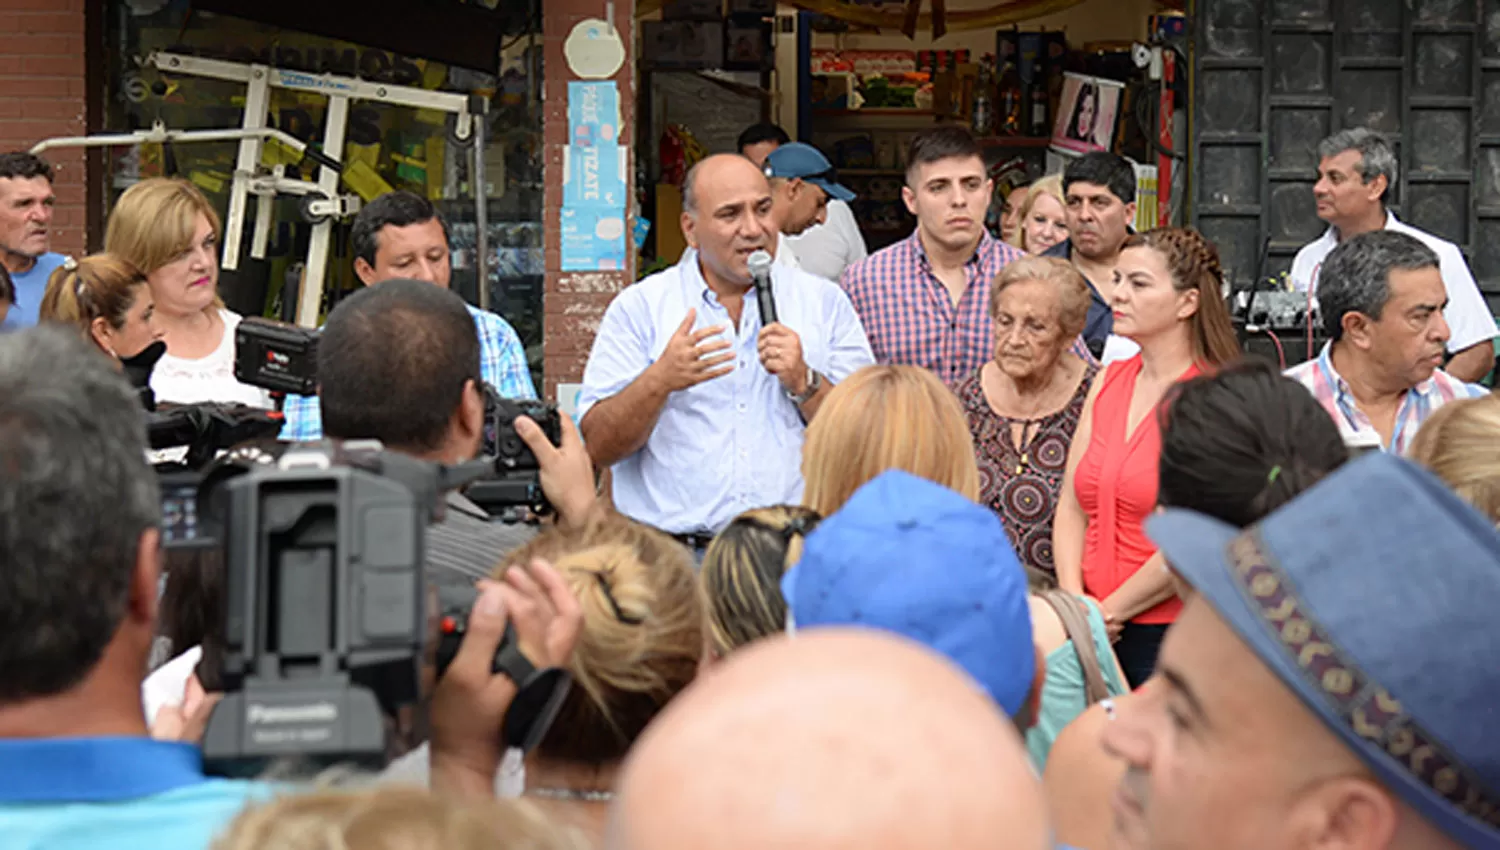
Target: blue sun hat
column 912, row 557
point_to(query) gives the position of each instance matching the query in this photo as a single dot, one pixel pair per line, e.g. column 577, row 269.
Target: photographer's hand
column 547, row 617
column 469, row 704
column 567, row 473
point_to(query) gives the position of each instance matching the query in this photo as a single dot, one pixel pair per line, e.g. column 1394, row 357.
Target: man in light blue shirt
column 697, row 406
column 79, row 518
column 400, row 235
column 26, row 204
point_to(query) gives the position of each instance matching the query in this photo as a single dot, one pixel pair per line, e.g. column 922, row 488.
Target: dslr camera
column 284, row 358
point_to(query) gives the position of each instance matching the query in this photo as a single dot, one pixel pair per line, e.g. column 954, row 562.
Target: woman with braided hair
column 1166, row 299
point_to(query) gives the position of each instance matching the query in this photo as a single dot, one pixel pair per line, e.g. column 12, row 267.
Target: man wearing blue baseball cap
column 803, row 185
column 909, row 556
column 1332, row 682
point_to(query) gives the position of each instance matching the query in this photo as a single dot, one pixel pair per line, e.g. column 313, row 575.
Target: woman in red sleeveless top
column 1166, row 299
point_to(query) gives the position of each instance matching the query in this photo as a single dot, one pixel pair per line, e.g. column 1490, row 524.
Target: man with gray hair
column 1380, row 376
column 80, row 523
column 1356, row 171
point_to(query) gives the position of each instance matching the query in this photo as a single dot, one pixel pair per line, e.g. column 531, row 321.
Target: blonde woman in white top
column 169, row 230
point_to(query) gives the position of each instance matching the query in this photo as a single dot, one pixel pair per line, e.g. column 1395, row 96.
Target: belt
column 695, row 539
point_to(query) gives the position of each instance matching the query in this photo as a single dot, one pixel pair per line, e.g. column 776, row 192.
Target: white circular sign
column 594, row 50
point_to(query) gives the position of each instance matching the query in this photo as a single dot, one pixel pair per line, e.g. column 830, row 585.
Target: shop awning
column 894, row 16
column 469, row 36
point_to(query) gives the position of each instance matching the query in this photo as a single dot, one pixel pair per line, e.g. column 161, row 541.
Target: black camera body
column 500, row 438
column 276, row 356
column 325, row 603
column 515, row 482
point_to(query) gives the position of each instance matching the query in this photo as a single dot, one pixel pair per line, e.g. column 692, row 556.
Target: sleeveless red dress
column 1116, row 484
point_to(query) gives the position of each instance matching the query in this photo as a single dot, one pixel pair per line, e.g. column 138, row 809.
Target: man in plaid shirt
column 399, row 235
column 924, row 301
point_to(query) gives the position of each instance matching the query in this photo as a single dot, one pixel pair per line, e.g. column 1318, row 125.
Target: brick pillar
column 42, row 94
column 574, row 302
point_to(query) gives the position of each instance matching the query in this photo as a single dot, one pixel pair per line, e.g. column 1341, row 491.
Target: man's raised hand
column 692, row 357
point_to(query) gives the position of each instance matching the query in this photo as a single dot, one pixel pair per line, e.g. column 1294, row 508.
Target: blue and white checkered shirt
column 502, row 363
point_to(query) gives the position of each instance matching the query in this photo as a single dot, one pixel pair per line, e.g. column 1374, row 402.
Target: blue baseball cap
column 807, row 163
column 912, row 557
column 1372, row 598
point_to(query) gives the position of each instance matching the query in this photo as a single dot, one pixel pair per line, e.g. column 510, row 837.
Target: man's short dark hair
column 393, row 209
column 1102, row 169
column 1356, row 277
column 757, row 133
column 950, row 141
column 75, row 495
column 7, row 287
column 392, row 363
column 24, row 165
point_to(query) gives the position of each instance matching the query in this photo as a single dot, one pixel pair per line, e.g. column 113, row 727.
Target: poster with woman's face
column 1086, row 114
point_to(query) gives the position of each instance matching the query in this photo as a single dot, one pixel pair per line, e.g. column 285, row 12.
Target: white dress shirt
column 1469, row 319
column 732, row 443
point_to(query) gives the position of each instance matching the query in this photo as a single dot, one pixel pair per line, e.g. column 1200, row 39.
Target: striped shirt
column 502, row 364
column 909, row 316
column 1331, row 391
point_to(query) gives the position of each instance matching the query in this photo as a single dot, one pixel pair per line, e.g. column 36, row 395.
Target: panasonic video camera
column 325, row 626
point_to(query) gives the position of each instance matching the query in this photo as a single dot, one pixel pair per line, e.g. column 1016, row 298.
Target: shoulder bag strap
column 1074, row 615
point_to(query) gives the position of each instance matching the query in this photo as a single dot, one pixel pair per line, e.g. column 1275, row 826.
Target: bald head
column 832, row 739
column 726, row 215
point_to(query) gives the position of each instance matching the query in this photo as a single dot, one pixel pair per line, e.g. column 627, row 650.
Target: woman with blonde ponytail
column 107, row 299
column 1167, row 300
column 641, row 645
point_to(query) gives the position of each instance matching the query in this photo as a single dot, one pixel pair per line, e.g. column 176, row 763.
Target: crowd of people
column 981, row 542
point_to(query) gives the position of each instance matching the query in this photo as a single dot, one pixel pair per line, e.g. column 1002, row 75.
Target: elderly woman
column 1042, row 222
column 1024, row 405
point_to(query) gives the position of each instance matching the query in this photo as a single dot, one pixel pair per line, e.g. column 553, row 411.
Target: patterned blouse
column 1022, row 483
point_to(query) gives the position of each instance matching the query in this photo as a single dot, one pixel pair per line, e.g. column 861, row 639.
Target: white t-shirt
column 827, row 249
column 207, row 379
column 1118, row 348
column 784, row 253
column 1468, row 315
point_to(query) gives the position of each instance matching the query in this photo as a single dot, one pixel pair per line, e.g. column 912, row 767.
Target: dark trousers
column 1137, row 649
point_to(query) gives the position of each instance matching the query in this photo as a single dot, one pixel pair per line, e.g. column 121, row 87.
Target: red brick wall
column 574, row 302
column 42, row 94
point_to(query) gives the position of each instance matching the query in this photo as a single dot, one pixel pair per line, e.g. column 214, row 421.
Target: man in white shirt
column 697, row 404
column 803, row 189
column 1356, row 169
column 827, row 247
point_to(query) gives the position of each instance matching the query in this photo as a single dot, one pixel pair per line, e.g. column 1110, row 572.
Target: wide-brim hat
column 1373, row 598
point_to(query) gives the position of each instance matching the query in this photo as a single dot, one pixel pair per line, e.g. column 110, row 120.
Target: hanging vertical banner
column 595, row 184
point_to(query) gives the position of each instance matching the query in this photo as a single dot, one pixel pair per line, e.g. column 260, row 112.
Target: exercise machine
column 322, row 204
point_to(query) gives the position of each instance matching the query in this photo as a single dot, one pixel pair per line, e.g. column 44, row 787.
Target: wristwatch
column 539, row 696
column 814, row 383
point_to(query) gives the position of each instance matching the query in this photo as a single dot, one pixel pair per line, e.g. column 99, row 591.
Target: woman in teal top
column 1065, row 689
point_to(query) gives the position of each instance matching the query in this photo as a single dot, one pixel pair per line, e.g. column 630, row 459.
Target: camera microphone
column 760, row 273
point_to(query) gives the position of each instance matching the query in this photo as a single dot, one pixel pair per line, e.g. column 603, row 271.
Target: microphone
column 760, row 273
